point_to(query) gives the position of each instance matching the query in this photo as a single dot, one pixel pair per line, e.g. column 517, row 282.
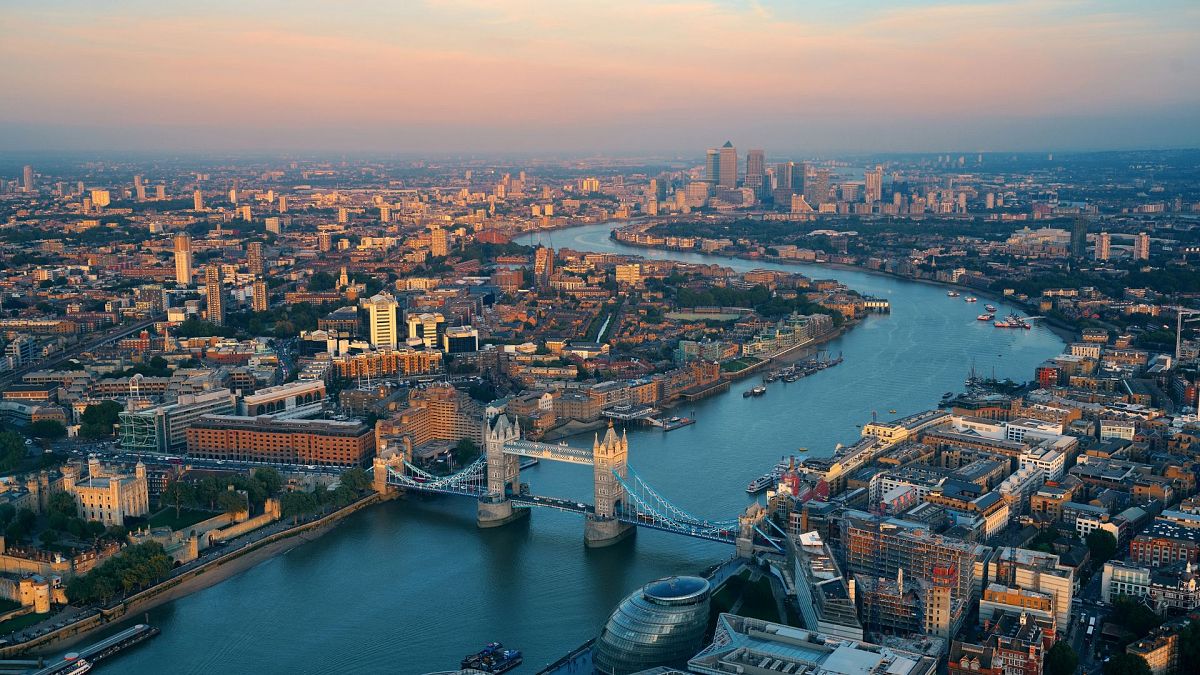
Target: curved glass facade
column 660, row 624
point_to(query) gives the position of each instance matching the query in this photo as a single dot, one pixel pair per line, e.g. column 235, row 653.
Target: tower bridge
column 621, row 499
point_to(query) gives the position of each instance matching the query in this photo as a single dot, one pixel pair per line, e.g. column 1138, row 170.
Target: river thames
column 412, row 585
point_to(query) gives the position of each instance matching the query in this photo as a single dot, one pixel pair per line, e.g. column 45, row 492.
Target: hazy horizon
column 629, row 79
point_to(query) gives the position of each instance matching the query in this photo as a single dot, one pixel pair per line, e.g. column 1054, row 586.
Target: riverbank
column 198, row 578
column 1065, row 332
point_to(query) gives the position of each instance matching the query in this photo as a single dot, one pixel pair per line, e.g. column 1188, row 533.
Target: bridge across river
column 622, row 500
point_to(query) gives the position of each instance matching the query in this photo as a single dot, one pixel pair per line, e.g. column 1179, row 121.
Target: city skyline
column 538, row 77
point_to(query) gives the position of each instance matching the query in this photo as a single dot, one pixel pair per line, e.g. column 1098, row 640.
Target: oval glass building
column 661, row 624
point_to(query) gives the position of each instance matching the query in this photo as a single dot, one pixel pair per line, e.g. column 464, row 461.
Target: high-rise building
column 198, row 200
column 1079, row 231
column 1103, row 242
column 712, row 166
column 139, row 188
column 216, row 295
column 428, row 327
column 727, row 177
column 101, row 198
column 439, row 243
column 324, row 241
column 756, row 172
column 385, row 213
column 343, row 215
column 283, row 203
column 543, row 265
column 874, row 191
column 183, row 258
column 384, row 315
column 816, row 186
column 259, row 298
column 27, row 178
column 245, row 212
column 160, row 192
column 254, row 257
column 1141, row 246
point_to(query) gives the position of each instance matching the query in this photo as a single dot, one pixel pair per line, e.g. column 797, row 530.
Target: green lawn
column 187, row 518
column 19, row 622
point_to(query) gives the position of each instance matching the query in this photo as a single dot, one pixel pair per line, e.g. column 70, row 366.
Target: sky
column 804, row 77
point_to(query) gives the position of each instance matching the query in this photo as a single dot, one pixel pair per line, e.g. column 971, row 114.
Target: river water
column 411, row 586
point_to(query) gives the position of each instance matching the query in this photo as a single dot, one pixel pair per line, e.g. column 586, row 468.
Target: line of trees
column 352, row 485
column 133, row 569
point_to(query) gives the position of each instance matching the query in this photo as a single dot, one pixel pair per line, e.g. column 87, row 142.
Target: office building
column 756, row 173
column 822, row 593
column 27, row 178
column 816, row 186
column 1175, row 586
column 383, row 315
column 101, row 198
column 874, row 185
column 753, row 646
column 183, row 259
column 660, row 624
column 426, row 328
column 727, row 174
column 281, row 441
column 215, row 295
column 139, row 189
column 712, row 166
column 1141, row 246
column 1079, row 230
column 164, row 428
column 108, row 496
column 1038, row 572
column 460, row 340
column 197, row 200
column 302, row 398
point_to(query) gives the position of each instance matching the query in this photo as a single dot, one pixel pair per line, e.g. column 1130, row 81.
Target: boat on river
column 493, row 658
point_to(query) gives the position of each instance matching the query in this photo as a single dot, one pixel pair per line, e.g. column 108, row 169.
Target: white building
column 1051, row 462
column 384, row 320
column 106, row 496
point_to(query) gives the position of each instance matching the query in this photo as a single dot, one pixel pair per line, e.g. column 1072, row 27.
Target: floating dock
column 102, row 649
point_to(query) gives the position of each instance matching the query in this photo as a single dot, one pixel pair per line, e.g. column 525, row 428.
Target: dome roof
column 661, row 624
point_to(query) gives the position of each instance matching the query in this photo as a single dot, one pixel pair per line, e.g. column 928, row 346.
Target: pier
column 102, row 649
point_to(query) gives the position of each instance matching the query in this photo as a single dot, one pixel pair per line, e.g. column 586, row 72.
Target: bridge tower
column 503, row 475
column 609, row 457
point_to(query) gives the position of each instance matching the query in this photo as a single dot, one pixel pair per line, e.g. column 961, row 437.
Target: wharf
column 103, row 649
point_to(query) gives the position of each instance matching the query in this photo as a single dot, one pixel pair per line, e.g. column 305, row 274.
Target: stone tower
column 609, row 457
column 503, row 475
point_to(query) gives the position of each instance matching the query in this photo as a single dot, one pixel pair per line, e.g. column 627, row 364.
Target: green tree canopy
column 1061, row 660
column 1102, row 546
column 47, row 429
column 1127, row 664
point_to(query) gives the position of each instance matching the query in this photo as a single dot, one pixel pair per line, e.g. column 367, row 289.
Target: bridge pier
column 497, row 512
column 601, row 532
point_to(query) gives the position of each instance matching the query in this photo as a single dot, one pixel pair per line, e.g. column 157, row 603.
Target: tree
column 12, row 451
column 270, row 480
column 64, row 503
column 98, row 419
column 465, row 450
column 47, row 429
column 1189, row 643
column 49, row 537
column 1061, row 660
column 177, row 493
column 1102, row 546
column 231, row 501
column 356, row 480
column 321, row 281
column 1126, row 664
column 1134, row 616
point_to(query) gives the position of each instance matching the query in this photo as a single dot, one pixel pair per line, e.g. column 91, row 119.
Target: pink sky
column 622, row 77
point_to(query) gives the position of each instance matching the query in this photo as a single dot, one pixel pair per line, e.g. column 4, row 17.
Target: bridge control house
column 272, row 440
